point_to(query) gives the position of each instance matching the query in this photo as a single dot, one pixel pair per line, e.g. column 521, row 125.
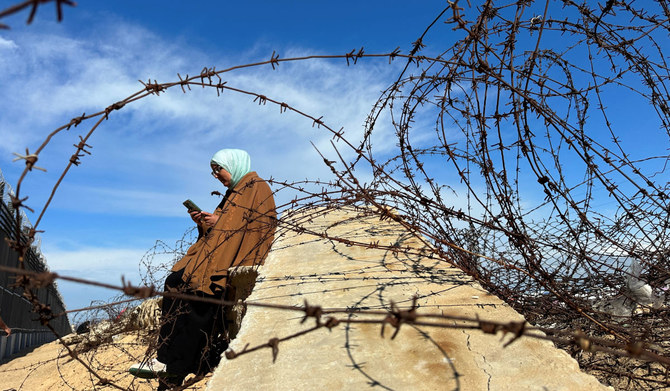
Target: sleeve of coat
column 241, row 237
column 245, row 231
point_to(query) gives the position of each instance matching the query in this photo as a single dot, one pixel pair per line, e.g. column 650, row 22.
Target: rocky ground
column 50, row 367
column 105, row 353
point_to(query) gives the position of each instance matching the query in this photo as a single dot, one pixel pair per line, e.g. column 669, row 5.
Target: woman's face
column 222, row 175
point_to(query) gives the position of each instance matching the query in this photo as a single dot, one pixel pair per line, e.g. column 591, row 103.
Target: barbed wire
column 34, row 4
column 517, row 141
column 395, row 318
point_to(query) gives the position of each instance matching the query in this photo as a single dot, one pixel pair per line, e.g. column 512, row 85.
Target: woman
column 238, row 233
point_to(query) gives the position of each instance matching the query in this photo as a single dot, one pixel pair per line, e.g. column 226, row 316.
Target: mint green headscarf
column 236, row 161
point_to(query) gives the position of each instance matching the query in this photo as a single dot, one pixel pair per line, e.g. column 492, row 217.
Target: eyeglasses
column 216, row 169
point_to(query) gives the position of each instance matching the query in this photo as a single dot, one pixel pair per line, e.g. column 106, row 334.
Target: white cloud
column 93, row 264
column 151, row 155
column 66, row 76
column 157, row 149
column 84, row 260
column 117, row 201
column 6, row 44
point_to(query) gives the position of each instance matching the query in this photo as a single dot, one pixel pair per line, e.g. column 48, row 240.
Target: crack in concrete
column 488, row 375
column 488, row 382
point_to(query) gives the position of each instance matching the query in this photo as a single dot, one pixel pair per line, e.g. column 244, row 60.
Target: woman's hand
column 196, row 216
column 208, row 219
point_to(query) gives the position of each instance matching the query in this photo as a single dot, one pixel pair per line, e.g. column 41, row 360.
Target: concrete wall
column 355, row 356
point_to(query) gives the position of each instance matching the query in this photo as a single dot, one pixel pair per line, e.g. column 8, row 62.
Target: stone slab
column 304, row 267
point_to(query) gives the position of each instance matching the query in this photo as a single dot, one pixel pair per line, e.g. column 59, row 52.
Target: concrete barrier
column 356, row 356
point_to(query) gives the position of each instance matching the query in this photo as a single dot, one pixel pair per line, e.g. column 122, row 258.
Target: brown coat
column 241, row 237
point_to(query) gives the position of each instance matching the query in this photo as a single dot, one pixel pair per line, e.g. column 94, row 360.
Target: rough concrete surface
column 305, row 267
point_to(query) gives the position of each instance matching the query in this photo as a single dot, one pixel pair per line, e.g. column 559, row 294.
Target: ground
column 49, row 367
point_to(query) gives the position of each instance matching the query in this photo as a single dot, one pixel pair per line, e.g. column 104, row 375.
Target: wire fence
column 16, row 310
column 506, row 153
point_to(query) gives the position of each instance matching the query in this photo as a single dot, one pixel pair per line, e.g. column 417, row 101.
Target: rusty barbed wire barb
column 17, row 247
column 153, row 88
column 184, row 82
column 274, row 60
column 318, row 122
column 408, row 316
column 312, row 312
column 18, row 203
column 141, row 292
column 34, row 4
column 339, row 134
column 516, row 328
column 261, row 99
column 394, row 54
column 416, row 47
column 397, row 317
column 80, row 152
column 331, row 323
column 76, row 121
column 487, row 327
column 273, row 343
column 112, row 107
column 208, row 73
column 359, row 55
column 526, row 162
column 30, row 159
column 220, row 87
column 349, row 55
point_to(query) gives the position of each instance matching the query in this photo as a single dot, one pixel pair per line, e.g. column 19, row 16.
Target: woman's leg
column 187, row 329
column 173, row 317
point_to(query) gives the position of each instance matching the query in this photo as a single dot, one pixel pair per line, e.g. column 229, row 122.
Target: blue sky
column 152, row 155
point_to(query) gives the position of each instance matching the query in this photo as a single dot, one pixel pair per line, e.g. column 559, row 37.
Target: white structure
column 355, row 356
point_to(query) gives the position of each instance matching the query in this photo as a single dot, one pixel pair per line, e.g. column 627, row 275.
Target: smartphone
column 191, row 206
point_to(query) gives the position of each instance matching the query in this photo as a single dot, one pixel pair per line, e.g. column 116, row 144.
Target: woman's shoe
column 149, row 369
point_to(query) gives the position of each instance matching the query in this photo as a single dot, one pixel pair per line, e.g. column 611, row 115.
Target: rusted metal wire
column 34, row 4
column 505, row 148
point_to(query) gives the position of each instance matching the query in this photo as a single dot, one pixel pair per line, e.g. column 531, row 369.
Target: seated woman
column 239, row 233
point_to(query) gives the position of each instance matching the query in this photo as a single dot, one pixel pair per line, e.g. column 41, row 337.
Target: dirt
column 50, row 367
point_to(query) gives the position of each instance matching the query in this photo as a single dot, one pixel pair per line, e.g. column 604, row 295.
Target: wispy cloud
column 66, row 76
column 93, row 264
column 87, row 261
column 154, row 153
